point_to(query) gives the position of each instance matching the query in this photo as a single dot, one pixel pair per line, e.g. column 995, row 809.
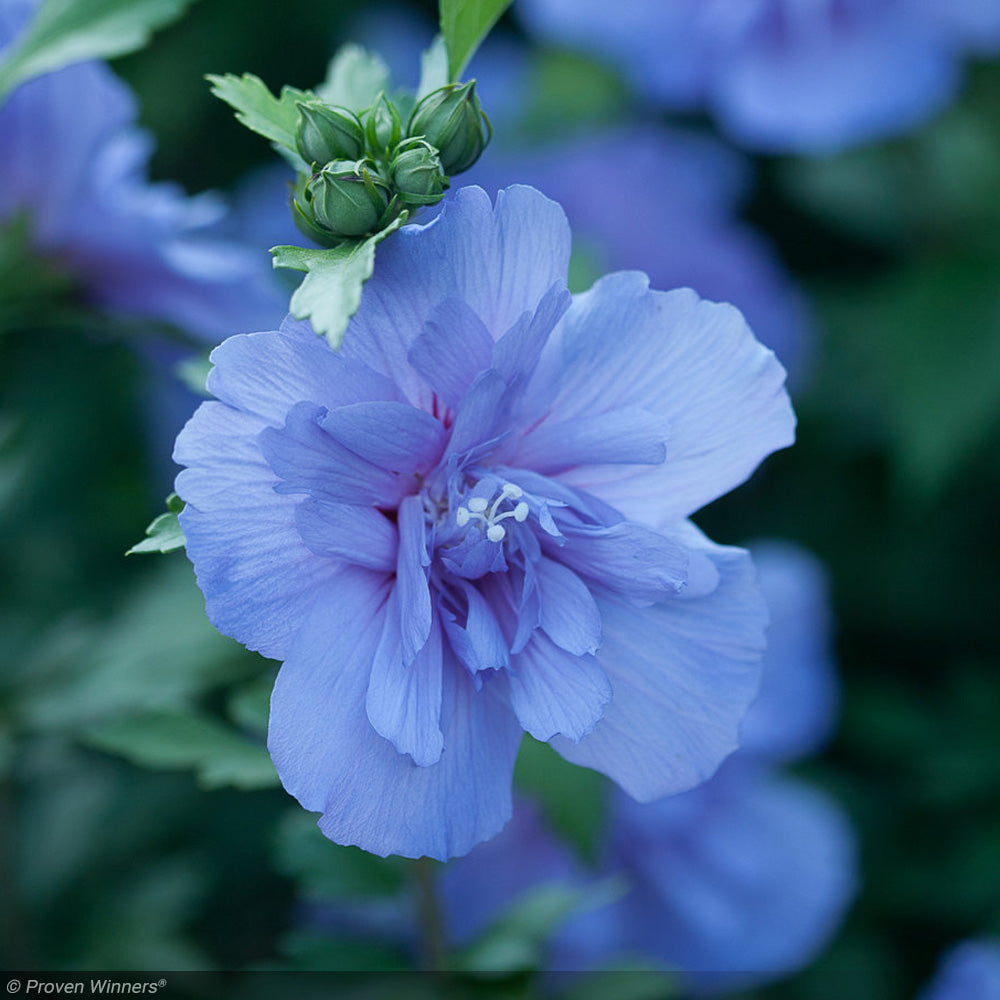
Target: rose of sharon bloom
column 970, row 971
column 785, row 75
column 472, row 522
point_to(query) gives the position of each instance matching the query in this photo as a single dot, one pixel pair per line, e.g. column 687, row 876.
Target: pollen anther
column 479, row 509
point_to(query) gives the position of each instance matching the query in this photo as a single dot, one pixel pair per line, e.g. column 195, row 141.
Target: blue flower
column 671, row 211
column 472, row 522
column 738, row 881
column 782, row 75
column 74, row 160
column 970, row 971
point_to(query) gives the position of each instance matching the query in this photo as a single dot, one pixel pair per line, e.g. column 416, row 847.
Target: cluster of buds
column 366, row 168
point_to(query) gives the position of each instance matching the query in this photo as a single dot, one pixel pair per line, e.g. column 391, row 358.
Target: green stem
column 429, row 916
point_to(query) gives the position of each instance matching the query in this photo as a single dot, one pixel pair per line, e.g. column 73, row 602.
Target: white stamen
column 479, row 509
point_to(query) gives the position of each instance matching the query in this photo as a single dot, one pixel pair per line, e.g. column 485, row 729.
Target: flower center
column 479, row 509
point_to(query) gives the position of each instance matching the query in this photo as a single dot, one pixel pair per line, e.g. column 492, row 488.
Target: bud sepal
column 452, row 120
column 417, row 174
column 383, row 128
column 327, row 132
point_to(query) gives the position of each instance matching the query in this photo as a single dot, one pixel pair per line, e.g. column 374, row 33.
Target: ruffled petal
column 452, row 349
column 404, row 699
column 332, row 760
column 361, row 535
column 517, row 352
column 684, row 673
column 500, row 261
column 567, row 610
column 412, row 585
column 479, row 643
column 693, row 363
column 629, row 435
column 394, row 436
column 635, row 562
column 258, row 577
column 308, row 460
column 554, row 692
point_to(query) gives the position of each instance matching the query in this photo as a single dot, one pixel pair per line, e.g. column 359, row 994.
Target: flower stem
column 431, row 924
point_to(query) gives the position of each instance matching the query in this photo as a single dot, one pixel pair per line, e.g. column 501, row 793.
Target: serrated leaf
column 464, row 24
column 354, row 78
column 178, row 741
column 433, row 68
column 64, row 32
column 164, row 533
column 259, row 110
column 330, row 293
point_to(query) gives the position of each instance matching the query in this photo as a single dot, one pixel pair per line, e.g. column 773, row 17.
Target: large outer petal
column 683, row 673
column 500, row 261
column 257, row 575
column 332, row 760
column 268, row 373
column 695, row 363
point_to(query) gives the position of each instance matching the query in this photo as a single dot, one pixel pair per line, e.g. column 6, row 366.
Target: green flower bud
column 383, row 128
column 417, row 174
column 452, row 120
column 345, row 200
column 326, row 133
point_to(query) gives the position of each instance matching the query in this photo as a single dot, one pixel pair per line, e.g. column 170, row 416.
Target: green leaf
column 164, row 534
column 631, row 979
column 193, row 372
column 331, row 291
column 433, row 68
column 573, row 798
column 155, row 653
column 516, row 941
column 925, row 343
column 178, row 741
column 325, row 870
column 354, row 78
column 464, row 24
column 64, row 32
column 33, row 290
column 260, row 111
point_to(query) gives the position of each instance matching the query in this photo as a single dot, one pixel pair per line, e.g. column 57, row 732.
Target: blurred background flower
column 969, row 971
column 783, row 75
